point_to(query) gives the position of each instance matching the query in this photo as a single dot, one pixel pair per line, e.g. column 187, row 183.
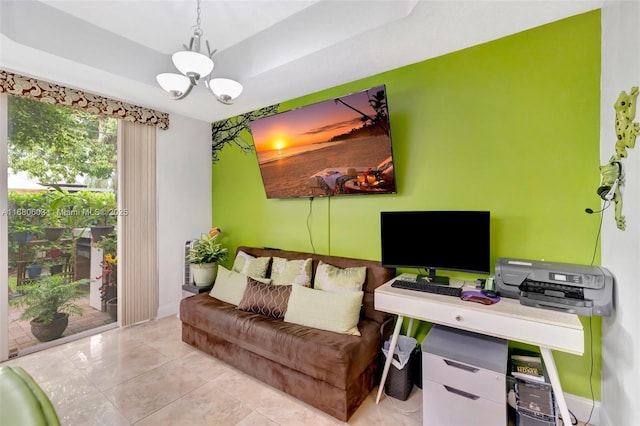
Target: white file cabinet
column 463, row 378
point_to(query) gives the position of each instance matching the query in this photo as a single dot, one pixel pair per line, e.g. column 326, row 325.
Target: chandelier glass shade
column 192, row 62
column 195, row 66
column 225, row 89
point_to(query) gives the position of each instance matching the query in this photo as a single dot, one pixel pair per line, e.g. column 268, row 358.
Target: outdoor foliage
column 33, row 211
column 56, row 144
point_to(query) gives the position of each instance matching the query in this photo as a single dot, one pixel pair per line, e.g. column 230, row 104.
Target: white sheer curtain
column 137, row 257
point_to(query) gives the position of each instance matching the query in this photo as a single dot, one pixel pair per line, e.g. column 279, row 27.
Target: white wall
column 621, row 249
column 184, row 200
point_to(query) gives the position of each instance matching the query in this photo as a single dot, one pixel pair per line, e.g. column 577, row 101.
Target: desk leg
column 410, row 327
column 550, row 364
column 392, row 348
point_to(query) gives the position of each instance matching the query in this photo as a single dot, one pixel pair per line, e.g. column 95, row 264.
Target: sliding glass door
column 59, row 224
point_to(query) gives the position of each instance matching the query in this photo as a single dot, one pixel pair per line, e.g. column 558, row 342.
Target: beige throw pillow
column 338, row 280
column 246, row 264
column 291, row 272
column 230, row 285
column 337, row 312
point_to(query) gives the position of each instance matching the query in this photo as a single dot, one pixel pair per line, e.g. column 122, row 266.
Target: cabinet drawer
column 447, row 406
column 477, row 381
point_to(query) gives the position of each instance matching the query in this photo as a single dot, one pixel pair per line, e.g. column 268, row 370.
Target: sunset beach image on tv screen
column 341, row 146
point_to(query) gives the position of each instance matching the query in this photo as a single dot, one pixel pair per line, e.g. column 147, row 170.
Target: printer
column 577, row 289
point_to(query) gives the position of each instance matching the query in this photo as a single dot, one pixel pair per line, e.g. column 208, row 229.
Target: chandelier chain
column 196, row 27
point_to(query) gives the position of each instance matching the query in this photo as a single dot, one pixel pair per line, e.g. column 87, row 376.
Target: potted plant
column 71, row 209
column 53, row 228
column 55, row 266
column 204, row 257
column 34, row 270
column 48, row 304
column 23, row 232
column 103, row 207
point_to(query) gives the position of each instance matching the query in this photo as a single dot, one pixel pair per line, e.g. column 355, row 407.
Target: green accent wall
column 510, row 126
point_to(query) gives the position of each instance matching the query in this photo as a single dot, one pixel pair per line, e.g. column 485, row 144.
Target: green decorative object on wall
column 626, row 130
column 612, row 173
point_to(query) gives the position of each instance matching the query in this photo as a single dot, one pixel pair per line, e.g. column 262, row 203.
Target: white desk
column 507, row 319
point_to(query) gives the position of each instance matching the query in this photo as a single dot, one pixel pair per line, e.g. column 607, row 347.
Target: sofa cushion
column 250, row 265
column 265, row 299
column 291, row 272
column 339, row 280
column 229, row 286
column 335, row 358
column 337, row 312
column 376, row 273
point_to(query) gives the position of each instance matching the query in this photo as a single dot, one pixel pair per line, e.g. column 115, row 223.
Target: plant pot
column 97, row 232
column 53, row 330
column 204, row 274
column 34, row 271
column 56, row 269
column 55, row 253
column 23, row 237
column 112, row 308
column 52, row 234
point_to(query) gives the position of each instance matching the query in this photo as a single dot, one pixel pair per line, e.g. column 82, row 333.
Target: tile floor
column 145, row 375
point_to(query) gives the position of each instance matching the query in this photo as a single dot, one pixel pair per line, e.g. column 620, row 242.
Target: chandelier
column 195, row 66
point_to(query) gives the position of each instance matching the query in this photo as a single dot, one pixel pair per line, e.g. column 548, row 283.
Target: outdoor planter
column 23, row 237
column 56, row 269
column 34, row 271
column 51, row 331
column 52, row 234
column 97, row 232
column 112, row 308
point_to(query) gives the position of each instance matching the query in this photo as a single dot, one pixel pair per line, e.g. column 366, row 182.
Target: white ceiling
column 277, row 49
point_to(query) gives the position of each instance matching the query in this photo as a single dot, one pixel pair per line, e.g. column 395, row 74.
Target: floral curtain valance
column 39, row 90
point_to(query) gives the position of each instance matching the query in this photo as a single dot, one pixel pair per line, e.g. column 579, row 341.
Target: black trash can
column 400, row 379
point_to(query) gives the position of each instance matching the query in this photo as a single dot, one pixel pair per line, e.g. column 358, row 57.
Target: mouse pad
column 478, row 297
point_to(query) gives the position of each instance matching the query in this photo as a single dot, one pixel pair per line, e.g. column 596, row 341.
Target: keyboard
column 428, row 287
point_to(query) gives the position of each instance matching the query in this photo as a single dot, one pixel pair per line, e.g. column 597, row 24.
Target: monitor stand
column 433, row 278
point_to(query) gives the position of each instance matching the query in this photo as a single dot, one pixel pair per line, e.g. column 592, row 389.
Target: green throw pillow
column 230, row 285
column 291, row 272
column 337, row 312
column 338, row 280
column 255, row 267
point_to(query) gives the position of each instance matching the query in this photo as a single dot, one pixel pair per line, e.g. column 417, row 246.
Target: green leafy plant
column 108, row 243
column 208, row 250
column 47, row 297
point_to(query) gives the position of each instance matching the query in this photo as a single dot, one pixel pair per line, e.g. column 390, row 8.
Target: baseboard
column 581, row 408
column 168, row 309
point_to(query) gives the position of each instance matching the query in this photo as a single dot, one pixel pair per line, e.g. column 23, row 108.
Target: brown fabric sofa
column 330, row 371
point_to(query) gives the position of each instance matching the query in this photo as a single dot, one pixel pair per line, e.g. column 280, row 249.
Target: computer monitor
column 431, row 240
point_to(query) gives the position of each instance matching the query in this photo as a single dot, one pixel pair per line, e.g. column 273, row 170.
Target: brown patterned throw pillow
column 265, row 299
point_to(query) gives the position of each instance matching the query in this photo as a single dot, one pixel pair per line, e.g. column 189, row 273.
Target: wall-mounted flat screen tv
column 341, row 146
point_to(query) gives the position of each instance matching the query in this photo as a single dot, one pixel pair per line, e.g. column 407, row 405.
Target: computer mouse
column 489, row 293
column 478, row 297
